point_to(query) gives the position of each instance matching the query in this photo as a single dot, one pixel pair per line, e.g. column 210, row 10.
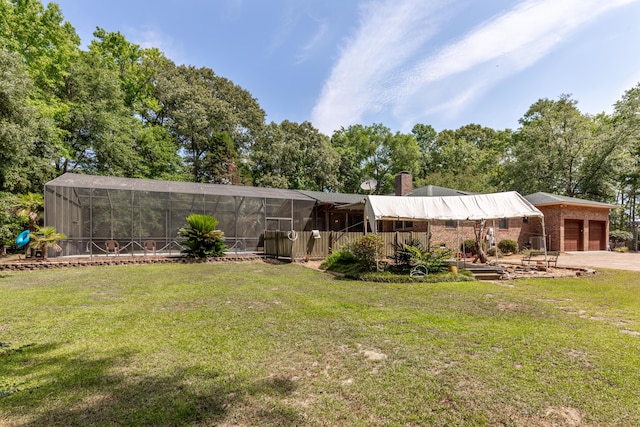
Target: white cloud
column 317, row 38
column 148, row 37
column 375, row 71
column 390, row 33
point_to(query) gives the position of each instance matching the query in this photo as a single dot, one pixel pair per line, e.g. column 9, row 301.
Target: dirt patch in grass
column 563, row 416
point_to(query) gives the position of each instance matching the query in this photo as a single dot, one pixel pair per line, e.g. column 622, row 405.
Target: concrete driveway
column 601, row 259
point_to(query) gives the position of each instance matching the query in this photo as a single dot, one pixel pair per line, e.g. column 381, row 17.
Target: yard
column 262, row 344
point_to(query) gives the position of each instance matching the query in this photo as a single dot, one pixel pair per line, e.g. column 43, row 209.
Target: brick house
column 571, row 224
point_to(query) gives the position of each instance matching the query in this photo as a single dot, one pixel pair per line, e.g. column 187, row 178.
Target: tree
column 296, row 156
column 478, row 231
column 374, row 152
column 196, row 106
column 425, row 136
column 46, row 42
column 626, row 130
column 137, row 70
column 129, row 61
column 157, row 154
column 30, row 206
column 219, row 163
column 468, row 158
column 559, row 150
column 23, row 159
column 10, row 223
column 98, row 131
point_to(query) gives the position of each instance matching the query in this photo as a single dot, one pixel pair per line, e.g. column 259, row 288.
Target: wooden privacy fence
column 318, row 245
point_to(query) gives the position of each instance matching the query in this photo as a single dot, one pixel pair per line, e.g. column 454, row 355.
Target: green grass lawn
column 261, row 344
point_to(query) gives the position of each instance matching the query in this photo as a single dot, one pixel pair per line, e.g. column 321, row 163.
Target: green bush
column 203, row 240
column 492, row 251
column 508, row 246
column 404, row 251
column 341, row 256
column 620, row 236
column 368, row 250
column 435, row 261
column 470, row 247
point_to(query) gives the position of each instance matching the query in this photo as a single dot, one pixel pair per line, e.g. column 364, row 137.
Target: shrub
column 470, row 247
column 404, row 251
column 367, row 250
column 620, row 236
column 44, row 238
column 341, row 256
column 508, row 246
column 492, row 251
column 203, row 240
column 435, row 261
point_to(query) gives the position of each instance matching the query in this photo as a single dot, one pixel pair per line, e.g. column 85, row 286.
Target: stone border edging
column 53, row 264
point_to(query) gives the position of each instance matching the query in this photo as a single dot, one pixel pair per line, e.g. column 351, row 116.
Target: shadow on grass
column 76, row 390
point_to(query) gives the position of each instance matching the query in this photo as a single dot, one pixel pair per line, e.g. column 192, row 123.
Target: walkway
column 601, row 259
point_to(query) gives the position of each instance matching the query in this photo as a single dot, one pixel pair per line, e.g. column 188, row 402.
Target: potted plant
column 45, row 238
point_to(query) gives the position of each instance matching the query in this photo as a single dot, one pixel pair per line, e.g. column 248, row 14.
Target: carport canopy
column 450, row 208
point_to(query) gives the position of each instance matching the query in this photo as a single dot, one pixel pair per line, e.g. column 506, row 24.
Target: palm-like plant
column 29, row 205
column 44, row 238
column 203, row 240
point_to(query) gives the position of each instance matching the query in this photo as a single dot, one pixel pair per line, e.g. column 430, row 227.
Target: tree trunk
column 479, row 231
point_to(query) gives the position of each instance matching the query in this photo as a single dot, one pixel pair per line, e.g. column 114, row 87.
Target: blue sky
column 445, row 63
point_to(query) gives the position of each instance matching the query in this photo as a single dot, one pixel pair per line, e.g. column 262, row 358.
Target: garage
column 573, row 235
column 597, row 233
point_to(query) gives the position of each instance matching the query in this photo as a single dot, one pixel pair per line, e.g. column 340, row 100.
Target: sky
column 444, row 63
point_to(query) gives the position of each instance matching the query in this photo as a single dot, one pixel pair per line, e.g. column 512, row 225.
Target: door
column 573, row 235
column 597, row 235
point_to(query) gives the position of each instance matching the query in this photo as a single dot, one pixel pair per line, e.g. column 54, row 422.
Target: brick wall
column 450, row 236
column 555, row 216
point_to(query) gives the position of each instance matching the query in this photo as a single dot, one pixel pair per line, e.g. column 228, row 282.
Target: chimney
column 404, row 183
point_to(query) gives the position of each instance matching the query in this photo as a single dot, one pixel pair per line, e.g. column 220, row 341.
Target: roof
column 334, row 198
column 435, row 191
column 136, row 184
column 468, row 207
column 546, row 199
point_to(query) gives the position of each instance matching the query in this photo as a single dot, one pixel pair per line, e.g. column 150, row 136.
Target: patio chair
column 112, row 246
column 150, row 245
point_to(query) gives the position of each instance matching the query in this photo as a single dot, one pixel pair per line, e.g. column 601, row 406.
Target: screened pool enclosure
column 100, row 215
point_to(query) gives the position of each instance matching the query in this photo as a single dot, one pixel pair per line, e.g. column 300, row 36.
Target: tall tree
column 40, row 35
column 626, row 130
column 197, row 106
column 294, row 155
column 98, row 131
column 136, row 67
column 467, row 158
column 137, row 70
column 23, row 156
column 425, row 136
column 559, row 150
column 374, row 152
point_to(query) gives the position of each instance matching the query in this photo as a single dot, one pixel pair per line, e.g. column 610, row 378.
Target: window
column 402, row 225
column 450, row 224
column 503, row 224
